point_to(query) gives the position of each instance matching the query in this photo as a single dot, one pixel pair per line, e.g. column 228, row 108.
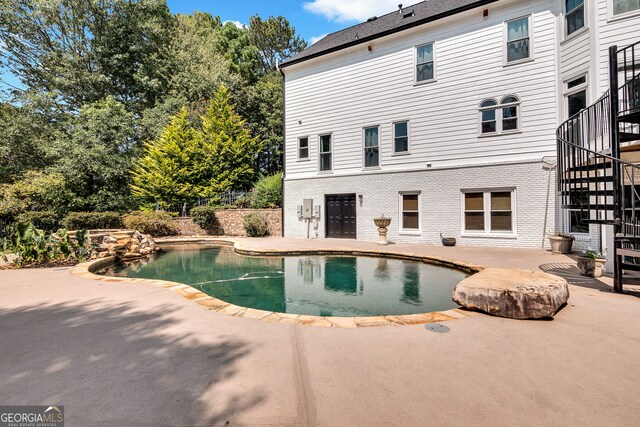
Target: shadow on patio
column 117, row 366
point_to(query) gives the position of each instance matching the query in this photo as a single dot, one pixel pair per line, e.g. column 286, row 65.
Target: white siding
column 343, row 92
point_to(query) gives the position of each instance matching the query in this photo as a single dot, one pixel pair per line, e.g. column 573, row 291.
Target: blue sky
column 312, row 19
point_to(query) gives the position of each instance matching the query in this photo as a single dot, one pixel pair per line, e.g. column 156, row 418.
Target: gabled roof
column 411, row 16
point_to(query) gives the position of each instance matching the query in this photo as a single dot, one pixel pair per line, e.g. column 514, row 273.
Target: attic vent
column 373, row 18
column 409, row 14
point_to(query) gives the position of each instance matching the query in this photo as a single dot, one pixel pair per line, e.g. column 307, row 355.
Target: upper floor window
column 303, row 148
column 574, row 15
column 325, row 153
column 401, row 137
column 425, row 64
column 371, row 147
column 625, row 6
column 518, row 39
column 503, row 117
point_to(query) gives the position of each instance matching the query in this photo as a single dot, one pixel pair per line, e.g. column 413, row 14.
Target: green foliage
column 96, row 157
column 267, row 192
column 92, row 220
column 255, row 225
column 33, row 246
column 275, row 39
column 168, row 171
column 595, row 254
column 242, row 56
column 205, row 218
column 34, row 191
column 44, row 220
column 155, row 223
column 229, row 151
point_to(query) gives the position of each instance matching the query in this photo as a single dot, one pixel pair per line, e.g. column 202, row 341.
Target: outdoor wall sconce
column 360, row 199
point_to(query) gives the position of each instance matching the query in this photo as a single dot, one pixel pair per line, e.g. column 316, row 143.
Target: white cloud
column 314, row 39
column 236, row 23
column 352, row 10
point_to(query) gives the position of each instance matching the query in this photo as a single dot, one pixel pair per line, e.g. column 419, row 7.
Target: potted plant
column 591, row 263
column 561, row 243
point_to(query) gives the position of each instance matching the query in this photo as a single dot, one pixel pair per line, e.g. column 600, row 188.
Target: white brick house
column 442, row 115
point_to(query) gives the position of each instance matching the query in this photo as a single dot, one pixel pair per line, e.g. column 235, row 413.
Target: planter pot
column 382, row 223
column 591, row 267
column 560, row 245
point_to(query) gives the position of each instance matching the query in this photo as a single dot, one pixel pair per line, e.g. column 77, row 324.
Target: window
column 325, row 152
column 518, row 43
column 401, row 137
column 578, row 221
column 574, row 15
column 303, row 148
column 371, row 147
column 576, row 94
column 410, row 211
column 424, row 63
column 625, row 6
column 500, row 118
column 489, row 211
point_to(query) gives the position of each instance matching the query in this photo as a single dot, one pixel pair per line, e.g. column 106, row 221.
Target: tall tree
column 166, row 172
column 85, row 50
column 275, row 39
column 230, row 150
column 96, row 154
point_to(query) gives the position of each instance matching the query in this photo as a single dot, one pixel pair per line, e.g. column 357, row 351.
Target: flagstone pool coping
column 87, row 270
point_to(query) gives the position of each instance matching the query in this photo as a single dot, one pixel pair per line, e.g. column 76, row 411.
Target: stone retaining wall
column 230, row 223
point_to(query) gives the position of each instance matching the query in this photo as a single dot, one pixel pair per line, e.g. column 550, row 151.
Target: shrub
column 267, row 192
column 156, row 223
column 255, row 225
column 205, row 217
column 92, row 220
column 44, row 220
column 34, row 246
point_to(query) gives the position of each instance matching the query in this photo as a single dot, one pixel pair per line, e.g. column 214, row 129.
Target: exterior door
column 341, row 216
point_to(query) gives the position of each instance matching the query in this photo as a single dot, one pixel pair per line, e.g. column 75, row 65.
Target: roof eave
column 388, row 32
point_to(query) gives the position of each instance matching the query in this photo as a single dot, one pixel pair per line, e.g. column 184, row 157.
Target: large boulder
column 516, row 294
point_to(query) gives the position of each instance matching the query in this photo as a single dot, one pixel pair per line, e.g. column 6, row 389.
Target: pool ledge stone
column 87, row 270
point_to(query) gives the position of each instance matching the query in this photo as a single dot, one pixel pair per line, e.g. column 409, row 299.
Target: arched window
column 488, row 116
column 497, row 118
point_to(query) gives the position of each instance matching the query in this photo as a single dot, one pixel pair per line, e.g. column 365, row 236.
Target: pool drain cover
column 437, row 327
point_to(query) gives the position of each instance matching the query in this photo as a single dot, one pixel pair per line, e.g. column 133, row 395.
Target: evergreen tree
column 165, row 173
column 230, row 152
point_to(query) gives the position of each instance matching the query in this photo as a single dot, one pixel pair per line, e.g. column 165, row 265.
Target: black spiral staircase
column 597, row 171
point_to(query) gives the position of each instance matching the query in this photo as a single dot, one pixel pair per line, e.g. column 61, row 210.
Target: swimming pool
column 318, row 285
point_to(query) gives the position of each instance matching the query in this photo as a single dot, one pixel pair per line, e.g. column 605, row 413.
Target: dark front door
column 341, row 216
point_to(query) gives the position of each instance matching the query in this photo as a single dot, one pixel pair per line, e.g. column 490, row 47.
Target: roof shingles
column 423, row 12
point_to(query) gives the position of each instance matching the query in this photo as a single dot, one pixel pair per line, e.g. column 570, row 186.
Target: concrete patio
column 125, row 354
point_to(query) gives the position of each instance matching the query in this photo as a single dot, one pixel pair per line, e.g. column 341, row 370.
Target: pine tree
column 228, row 149
column 166, row 172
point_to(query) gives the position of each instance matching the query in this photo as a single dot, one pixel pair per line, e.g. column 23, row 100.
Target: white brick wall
column 441, row 201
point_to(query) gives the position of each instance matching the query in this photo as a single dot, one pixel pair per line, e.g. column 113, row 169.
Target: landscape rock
column 516, row 294
column 125, row 244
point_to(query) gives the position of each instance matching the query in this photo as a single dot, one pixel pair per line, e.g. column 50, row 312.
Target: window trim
column 415, row 64
column 320, row 152
column 393, row 138
column 409, row 231
column 612, row 17
column 567, row 224
column 505, row 42
column 580, row 30
column 499, row 115
column 304, row 159
column 566, row 91
column 486, row 200
column 364, row 167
